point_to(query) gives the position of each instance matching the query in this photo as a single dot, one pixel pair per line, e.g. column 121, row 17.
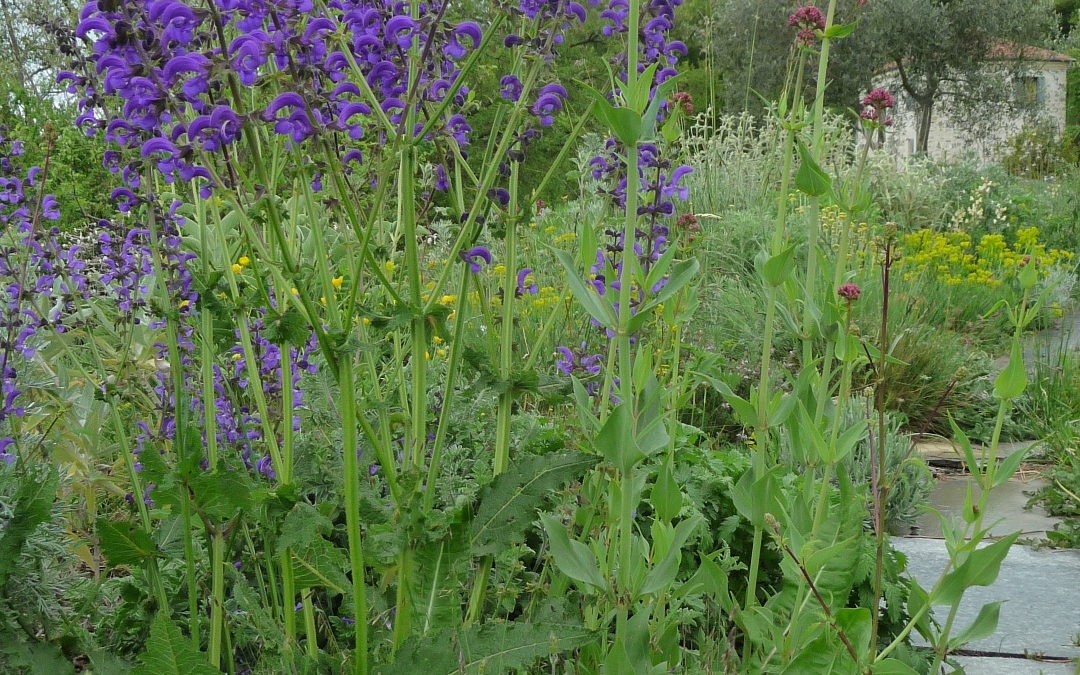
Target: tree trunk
column 922, row 126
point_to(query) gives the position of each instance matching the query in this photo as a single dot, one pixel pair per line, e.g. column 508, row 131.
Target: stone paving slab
column 1005, row 509
column 989, row 665
column 1041, row 590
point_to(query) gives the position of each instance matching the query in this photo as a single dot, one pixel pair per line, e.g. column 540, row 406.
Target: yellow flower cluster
column 955, row 259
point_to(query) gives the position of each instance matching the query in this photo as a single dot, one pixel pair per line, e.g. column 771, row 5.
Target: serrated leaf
column 320, row 565
column 124, row 543
column 33, row 506
column 221, row 494
column 302, row 526
column 508, row 504
column 168, row 652
column 490, row 648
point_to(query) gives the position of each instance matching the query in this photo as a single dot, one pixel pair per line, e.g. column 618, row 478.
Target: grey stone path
column 1041, row 613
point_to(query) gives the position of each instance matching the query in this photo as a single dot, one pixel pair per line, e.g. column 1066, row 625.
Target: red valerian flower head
column 849, row 292
column 807, row 18
column 879, row 99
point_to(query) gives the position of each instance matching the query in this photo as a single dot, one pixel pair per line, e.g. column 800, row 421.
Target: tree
column 941, row 50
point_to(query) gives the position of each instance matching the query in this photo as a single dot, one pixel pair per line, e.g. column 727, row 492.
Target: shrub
column 1039, row 151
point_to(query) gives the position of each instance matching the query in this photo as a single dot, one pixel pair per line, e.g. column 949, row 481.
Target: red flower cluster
column 849, row 292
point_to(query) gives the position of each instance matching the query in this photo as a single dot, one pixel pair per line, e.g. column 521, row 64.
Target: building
column 1041, row 77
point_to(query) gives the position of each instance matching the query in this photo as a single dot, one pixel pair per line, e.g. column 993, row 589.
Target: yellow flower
column 295, row 292
column 237, row 269
column 184, row 303
column 448, row 299
column 437, row 340
column 366, row 321
column 441, row 353
column 389, row 266
column 337, row 281
column 323, row 299
column 244, row 261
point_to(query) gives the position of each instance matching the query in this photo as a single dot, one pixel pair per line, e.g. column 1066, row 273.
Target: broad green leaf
column 823, row 655
column 617, row 441
column 849, row 439
column 1028, row 276
column 573, row 558
column 32, row 507
column 778, row 268
column 168, row 652
column 623, row 123
column 810, row 179
column 303, row 525
column 666, row 496
column 1008, row 466
column 637, row 99
column 840, row 30
column 1012, row 381
column 597, row 307
column 855, row 622
column 320, row 565
column 124, row 543
column 754, row 498
column 661, row 576
column 681, row 275
column 983, row 626
column 980, row 569
column 892, row 667
column 508, row 504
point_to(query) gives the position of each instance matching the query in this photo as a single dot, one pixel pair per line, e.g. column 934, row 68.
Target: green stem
column 352, row 514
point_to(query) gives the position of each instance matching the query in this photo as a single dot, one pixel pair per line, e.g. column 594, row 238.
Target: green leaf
column 840, row 30
column 32, row 507
column 623, row 123
column 1008, row 466
column 289, row 328
column 168, row 652
column 222, row 493
column 965, row 445
column 611, row 441
column 980, row 569
column 666, row 496
column 303, row 525
column 508, row 504
column 983, row 626
column 892, row 667
column 778, row 268
column 1012, row 381
column 855, row 622
column 320, row 565
column 753, row 499
column 573, row 558
column 810, row 179
column 849, row 439
column 597, row 307
column 490, row 648
column 124, row 543
column 661, row 576
column 681, row 275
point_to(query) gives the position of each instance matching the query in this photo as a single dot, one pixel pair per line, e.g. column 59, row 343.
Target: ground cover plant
column 334, row 383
